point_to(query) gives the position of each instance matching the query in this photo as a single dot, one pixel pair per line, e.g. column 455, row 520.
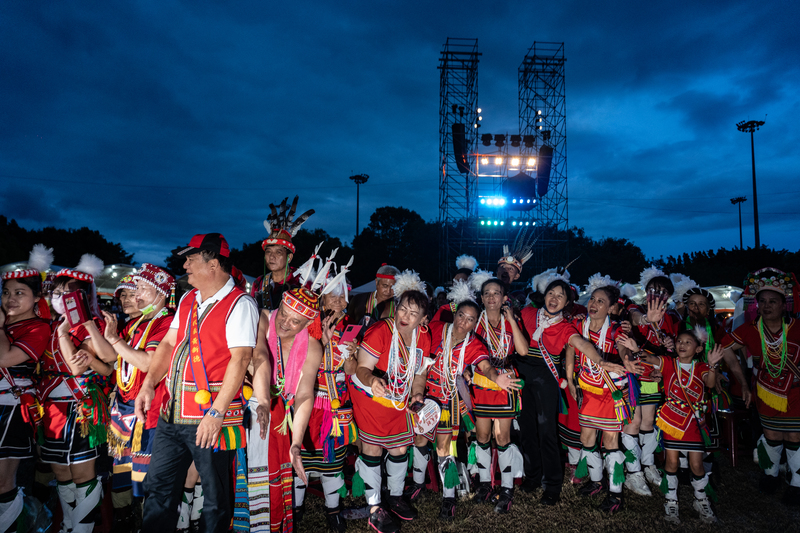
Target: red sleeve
column 476, row 352
column 528, row 315
column 377, row 339
column 703, row 369
column 158, row 332
column 80, row 334
column 32, row 339
column 745, row 335
column 424, row 342
column 564, row 334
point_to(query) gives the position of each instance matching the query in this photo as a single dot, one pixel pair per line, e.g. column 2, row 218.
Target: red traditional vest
column 181, row 385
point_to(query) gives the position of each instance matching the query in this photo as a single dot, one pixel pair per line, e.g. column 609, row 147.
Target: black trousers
column 538, row 424
column 173, row 452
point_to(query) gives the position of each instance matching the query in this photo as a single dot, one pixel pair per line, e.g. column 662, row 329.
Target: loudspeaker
column 543, row 169
column 460, row 147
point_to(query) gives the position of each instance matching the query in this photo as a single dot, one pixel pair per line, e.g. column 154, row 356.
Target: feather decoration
column 478, row 278
column 460, row 292
column 90, row 264
column 648, row 274
column 41, row 258
column 282, row 217
column 682, row 283
column 628, row 290
column 339, row 282
column 541, row 281
column 597, row 281
column 701, row 335
column 523, row 245
column 322, row 275
column 466, row 261
column 406, row 281
column 304, row 272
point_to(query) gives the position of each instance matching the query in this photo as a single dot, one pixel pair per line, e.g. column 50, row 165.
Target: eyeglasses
column 56, row 294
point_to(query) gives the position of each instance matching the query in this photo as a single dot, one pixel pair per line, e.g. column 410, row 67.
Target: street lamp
column 751, row 126
column 738, row 200
column 359, row 179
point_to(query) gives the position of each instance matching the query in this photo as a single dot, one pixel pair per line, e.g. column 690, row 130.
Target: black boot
column 503, row 502
column 335, row 520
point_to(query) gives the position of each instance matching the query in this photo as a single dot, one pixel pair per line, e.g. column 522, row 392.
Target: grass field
column 741, row 508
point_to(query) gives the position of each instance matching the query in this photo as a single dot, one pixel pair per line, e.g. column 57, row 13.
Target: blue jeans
column 173, row 452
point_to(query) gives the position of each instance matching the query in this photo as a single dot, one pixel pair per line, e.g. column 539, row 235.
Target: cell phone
column 350, row 333
column 76, row 306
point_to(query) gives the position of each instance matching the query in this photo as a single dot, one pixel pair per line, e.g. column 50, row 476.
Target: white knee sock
column 573, row 456
column 633, row 460
column 444, row 464
column 767, row 454
column 699, row 486
column 649, row 442
column 396, row 468
column 331, row 484
column 66, row 494
column 371, row 474
column 672, row 486
column 505, row 456
column 614, row 463
column 422, row 456
column 299, row 492
column 197, row 503
column 87, row 502
column 793, row 463
column 593, row 462
column 483, row 455
column 10, row 512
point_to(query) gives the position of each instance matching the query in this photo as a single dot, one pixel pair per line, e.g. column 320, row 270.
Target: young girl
column 682, row 416
column 74, row 389
column 24, row 331
column 495, row 408
column 603, row 391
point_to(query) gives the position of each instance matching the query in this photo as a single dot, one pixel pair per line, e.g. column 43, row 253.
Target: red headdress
column 39, row 262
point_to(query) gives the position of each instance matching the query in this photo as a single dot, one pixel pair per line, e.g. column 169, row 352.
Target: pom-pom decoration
column 466, row 261
column 460, row 292
column 407, row 280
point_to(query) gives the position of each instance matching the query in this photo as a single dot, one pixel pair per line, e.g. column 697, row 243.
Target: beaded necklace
column 401, row 369
column 498, row 345
column 773, row 348
column 449, row 372
column 600, row 345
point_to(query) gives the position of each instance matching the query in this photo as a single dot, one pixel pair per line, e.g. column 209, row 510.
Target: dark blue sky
column 152, row 121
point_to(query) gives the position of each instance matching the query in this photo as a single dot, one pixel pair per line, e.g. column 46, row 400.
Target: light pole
column 738, row 200
column 751, row 126
column 359, row 179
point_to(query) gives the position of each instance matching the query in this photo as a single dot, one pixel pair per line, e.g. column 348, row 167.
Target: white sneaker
column 653, row 475
column 671, row 510
column 635, row 483
column 703, row 508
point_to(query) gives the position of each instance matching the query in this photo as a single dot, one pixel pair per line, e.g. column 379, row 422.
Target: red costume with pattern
column 685, row 393
column 490, row 401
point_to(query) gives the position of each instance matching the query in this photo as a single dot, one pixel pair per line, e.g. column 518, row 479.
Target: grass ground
column 741, row 508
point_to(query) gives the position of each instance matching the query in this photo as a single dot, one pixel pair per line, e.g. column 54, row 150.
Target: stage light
column 514, row 223
column 479, row 117
column 534, row 201
column 499, row 140
column 502, row 223
column 486, row 139
column 515, row 161
column 514, row 201
column 529, row 200
column 532, row 162
column 483, row 201
column 502, row 201
column 495, row 222
column 483, row 222
column 479, row 110
column 534, row 223
column 515, row 140
column 476, row 125
column 527, row 223
column 540, row 127
column 484, row 160
column 498, row 160
column 539, row 112
column 540, row 119
column 528, row 141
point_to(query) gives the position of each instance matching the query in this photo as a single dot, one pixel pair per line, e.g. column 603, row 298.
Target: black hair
column 496, row 282
column 693, row 334
column 611, row 291
column 34, row 283
column 420, row 299
column 470, row 303
column 568, row 292
column 466, row 271
column 224, row 262
column 664, row 282
column 63, row 280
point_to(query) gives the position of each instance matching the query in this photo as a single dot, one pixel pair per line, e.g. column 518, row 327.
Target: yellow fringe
column 453, row 448
column 479, row 380
column 136, row 445
column 672, row 431
column 386, row 403
column 591, row 388
column 445, row 417
column 336, row 429
column 779, row 403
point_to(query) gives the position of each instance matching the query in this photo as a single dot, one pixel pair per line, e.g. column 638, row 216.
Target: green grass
column 741, row 508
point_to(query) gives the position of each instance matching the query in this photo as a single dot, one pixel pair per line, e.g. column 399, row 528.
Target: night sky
column 152, row 121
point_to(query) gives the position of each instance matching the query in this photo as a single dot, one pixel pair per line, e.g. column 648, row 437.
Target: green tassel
column 616, row 395
column 343, row 489
column 472, row 458
column 410, row 458
column 764, row 462
column 630, row 457
column 451, row 480
column 582, row 470
column 468, row 425
column 710, row 492
column 358, row 485
column 664, row 486
column 619, row 474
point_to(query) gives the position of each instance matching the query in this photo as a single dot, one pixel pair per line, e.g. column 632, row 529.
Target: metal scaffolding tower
column 542, row 113
column 458, row 112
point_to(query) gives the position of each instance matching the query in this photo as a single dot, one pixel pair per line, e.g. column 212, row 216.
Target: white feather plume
column 466, row 261
column 407, row 280
column 90, row 264
column 437, row 291
column 597, row 281
column 460, row 292
column 648, row 274
column 682, row 283
column 701, row 335
column 541, row 281
column 628, row 290
column 41, row 257
column 478, row 278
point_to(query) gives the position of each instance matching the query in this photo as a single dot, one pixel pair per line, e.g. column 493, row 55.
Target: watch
column 213, row 413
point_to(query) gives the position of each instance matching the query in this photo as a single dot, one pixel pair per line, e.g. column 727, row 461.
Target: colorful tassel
column 358, row 485
column 451, row 479
column 411, row 458
column 469, row 425
column 664, row 486
column 618, row 477
column 445, row 416
column 472, row 458
column 764, row 462
column 343, row 489
column 136, row 444
column 453, row 447
column 630, row 457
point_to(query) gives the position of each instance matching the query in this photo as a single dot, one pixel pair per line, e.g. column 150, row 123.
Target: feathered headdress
column 338, row 283
column 478, row 278
column 700, row 334
column 466, row 262
column 281, row 226
column 541, row 281
column 460, row 292
column 39, row 262
column 523, row 249
column 598, row 281
column 682, row 284
column 628, row 290
column 407, row 280
column 648, row 274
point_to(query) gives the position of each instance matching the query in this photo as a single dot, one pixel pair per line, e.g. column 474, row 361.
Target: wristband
column 213, row 413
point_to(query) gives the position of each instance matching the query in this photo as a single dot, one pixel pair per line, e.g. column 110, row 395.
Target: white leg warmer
column 372, row 481
column 396, row 474
column 299, row 492
column 593, row 462
column 87, row 502
column 699, row 486
column 185, row 508
column 633, row 452
column 197, row 503
column 773, row 455
column 66, row 494
column 649, row 442
column 331, row 483
column 793, row 462
column 573, row 456
column 9, row 512
column 672, row 487
column 483, row 456
column 615, row 466
column 422, row 457
column 444, row 462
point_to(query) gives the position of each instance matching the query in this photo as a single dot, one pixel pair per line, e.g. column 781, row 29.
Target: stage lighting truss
column 493, row 201
column 498, row 223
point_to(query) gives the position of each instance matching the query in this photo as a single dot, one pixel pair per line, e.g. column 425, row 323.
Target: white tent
column 367, row 287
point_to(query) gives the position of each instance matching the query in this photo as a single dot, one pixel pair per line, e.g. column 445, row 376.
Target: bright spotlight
column 483, row 223
column 514, row 223
column 531, row 161
column 539, row 112
column 515, row 162
column 502, row 223
column 484, row 160
column 483, row 201
column 495, row 222
column 498, row 160
column 479, row 110
column 502, row 201
column 514, row 201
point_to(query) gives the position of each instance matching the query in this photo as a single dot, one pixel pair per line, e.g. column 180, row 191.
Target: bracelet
column 116, row 341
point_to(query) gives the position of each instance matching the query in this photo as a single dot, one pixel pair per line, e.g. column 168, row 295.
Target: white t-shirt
column 242, row 324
